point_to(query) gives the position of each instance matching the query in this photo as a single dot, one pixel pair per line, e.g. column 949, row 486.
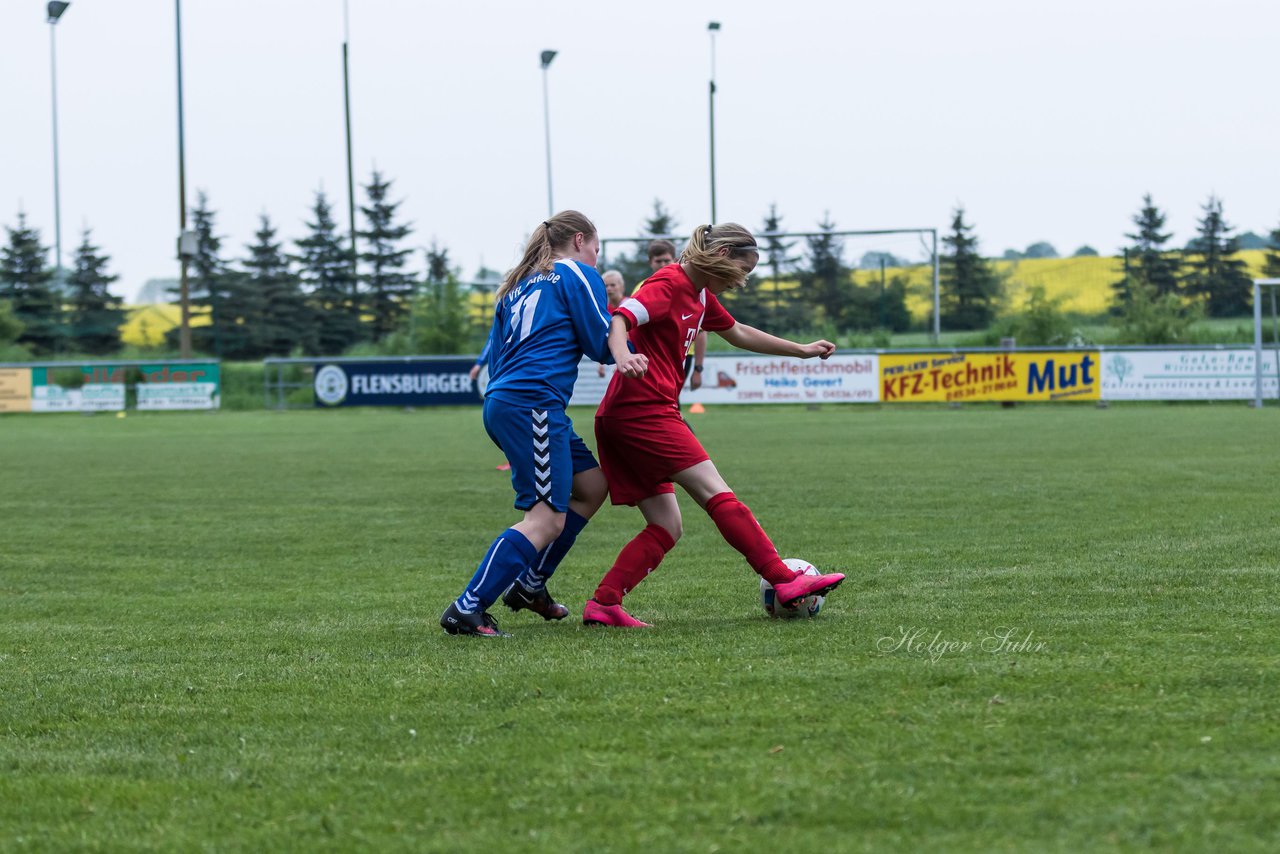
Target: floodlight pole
column 712, row 28
column 547, row 56
column 55, row 10
column 184, row 288
column 346, row 105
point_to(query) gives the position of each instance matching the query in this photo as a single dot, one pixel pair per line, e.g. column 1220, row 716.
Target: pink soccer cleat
column 790, row 593
column 595, row 614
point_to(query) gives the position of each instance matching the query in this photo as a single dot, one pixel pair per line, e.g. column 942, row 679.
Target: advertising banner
column 15, row 389
column 759, row 379
column 590, row 386
column 101, row 390
column 951, row 377
column 1186, row 375
column 172, row 387
column 438, row 382
column 777, row 379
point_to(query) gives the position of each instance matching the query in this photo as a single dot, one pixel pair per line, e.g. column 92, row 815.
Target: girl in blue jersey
column 550, row 310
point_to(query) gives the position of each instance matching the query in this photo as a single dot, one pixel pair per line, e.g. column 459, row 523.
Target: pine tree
column 218, row 289
column 749, row 304
column 1271, row 262
column 437, row 263
column 10, row 327
column 970, row 287
column 443, row 326
column 1146, row 260
column 661, row 223
column 325, row 262
column 827, row 281
column 27, row 284
column 284, row 321
column 388, row 290
column 1214, row 272
column 634, row 265
column 95, row 313
column 787, row 310
column 892, row 312
column 881, row 301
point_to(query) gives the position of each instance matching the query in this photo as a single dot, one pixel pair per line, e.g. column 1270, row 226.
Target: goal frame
column 1258, row 285
column 780, row 235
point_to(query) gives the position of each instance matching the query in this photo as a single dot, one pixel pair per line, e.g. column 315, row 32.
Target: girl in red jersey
column 643, row 443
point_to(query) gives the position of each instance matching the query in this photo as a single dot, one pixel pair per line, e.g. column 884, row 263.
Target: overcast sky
column 1046, row 121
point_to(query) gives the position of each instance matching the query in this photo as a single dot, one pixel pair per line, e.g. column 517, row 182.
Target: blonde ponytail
column 703, row 251
column 545, row 244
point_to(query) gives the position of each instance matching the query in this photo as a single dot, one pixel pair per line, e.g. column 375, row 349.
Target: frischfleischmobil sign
column 435, row 382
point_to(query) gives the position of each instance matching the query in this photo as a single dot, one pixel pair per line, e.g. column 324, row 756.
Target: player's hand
column 474, row 372
column 695, row 381
column 822, row 349
column 599, row 370
column 634, row 365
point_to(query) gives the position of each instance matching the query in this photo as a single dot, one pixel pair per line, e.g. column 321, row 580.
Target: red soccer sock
column 740, row 529
column 637, row 559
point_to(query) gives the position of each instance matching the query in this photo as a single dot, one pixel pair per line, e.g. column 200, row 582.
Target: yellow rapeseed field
column 1083, row 285
column 146, row 325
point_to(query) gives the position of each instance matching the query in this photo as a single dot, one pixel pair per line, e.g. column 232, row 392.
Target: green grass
column 218, row 632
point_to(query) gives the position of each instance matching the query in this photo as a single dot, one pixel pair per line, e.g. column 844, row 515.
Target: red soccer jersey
column 665, row 314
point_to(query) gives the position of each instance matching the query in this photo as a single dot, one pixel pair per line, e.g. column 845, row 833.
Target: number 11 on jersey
column 522, row 315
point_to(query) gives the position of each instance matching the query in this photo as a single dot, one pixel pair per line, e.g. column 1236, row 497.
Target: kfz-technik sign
column 435, row 382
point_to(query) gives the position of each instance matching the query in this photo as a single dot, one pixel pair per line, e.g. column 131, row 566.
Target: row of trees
column 48, row 316
column 1207, row 277
column 322, row 299
column 1209, row 273
column 801, row 285
column 316, row 299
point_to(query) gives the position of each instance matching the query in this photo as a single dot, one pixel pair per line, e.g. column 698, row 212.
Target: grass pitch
column 218, row 632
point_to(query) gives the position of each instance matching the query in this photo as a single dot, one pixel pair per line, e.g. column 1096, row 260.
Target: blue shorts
column 542, row 449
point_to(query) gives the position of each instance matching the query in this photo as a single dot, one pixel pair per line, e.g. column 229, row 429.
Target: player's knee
column 593, row 495
column 674, row 527
column 554, row 526
column 591, row 489
column 542, row 525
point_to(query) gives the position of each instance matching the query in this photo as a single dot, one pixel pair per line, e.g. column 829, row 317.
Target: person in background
column 615, row 290
column 481, row 361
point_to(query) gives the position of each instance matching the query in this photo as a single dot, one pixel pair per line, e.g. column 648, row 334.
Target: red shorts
column 639, row 455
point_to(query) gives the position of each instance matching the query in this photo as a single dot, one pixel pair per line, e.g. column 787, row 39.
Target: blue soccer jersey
column 541, row 329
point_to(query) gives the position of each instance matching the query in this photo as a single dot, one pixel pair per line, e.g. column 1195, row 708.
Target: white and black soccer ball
column 807, row 607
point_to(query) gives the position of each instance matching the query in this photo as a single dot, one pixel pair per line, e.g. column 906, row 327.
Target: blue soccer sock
column 510, row 553
column 535, row 577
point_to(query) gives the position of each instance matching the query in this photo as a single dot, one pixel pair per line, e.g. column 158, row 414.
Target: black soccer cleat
column 480, row 623
column 539, row 603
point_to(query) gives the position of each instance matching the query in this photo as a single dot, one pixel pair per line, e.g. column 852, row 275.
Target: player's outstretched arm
column 629, row 364
column 757, row 341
